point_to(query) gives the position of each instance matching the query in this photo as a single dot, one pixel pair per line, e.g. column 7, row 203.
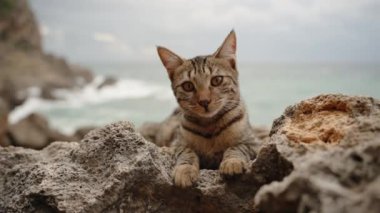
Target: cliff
column 322, row 156
column 23, row 65
column 18, row 27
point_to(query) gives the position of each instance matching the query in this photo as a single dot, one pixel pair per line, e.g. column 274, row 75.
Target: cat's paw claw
column 185, row 175
column 232, row 166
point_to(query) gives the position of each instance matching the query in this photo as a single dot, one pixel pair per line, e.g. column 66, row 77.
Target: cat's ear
column 170, row 60
column 228, row 49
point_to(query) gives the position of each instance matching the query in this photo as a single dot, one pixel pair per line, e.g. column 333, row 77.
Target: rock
column 82, row 131
column 108, row 81
column 114, row 169
column 3, row 122
column 23, row 64
column 18, row 26
column 30, row 132
column 34, row 132
column 9, row 93
column 333, row 141
column 47, row 94
column 22, row 70
column 85, row 76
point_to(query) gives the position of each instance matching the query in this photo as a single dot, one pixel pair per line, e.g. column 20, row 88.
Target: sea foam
column 90, row 94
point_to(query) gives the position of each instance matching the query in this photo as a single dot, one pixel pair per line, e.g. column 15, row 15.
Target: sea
column 143, row 94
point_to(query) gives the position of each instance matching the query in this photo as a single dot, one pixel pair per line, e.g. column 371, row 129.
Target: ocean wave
column 89, row 95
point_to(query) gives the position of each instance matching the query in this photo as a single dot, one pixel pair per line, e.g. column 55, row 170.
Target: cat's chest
column 211, row 129
column 209, row 146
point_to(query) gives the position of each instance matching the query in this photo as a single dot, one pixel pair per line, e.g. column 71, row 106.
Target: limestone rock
column 333, row 142
column 108, row 81
column 34, row 132
column 114, row 169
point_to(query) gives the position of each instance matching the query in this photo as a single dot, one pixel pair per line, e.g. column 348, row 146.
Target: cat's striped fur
column 214, row 131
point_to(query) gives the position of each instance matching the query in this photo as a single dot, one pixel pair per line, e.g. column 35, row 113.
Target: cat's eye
column 216, row 81
column 188, row 86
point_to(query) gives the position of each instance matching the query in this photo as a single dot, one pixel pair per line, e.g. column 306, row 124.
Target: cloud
column 104, row 37
column 113, row 43
column 268, row 30
column 44, row 30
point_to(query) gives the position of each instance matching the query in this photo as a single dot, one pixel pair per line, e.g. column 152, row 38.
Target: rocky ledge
column 322, row 156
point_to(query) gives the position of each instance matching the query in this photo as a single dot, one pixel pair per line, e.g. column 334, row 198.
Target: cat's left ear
column 228, row 49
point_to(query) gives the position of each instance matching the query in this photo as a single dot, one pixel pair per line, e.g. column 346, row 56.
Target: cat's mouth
column 207, row 111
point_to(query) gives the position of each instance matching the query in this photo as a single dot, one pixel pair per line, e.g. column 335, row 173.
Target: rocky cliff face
column 18, row 27
column 114, row 169
column 23, row 65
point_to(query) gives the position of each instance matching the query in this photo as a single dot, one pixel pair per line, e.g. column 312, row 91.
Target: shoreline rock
column 332, row 174
column 115, row 169
column 34, row 132
column 3, row 123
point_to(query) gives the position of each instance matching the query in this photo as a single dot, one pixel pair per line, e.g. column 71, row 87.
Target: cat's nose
column 204, row 103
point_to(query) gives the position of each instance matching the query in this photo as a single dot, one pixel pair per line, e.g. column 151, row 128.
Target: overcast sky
column 267, row 30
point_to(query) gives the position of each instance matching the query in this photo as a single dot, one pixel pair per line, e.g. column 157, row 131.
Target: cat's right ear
column 228, row 49
column 170, row 60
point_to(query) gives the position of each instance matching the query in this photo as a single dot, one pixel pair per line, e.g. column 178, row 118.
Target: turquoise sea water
column 145, row 95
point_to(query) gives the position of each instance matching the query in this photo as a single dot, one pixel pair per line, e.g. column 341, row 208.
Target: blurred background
column 287, row 51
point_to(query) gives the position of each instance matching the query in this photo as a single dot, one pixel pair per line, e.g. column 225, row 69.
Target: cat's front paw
column 232, row 166
column 185, row 175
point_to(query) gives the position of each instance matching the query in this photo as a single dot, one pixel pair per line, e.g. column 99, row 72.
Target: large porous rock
column 114, row 169
column 34, row 132
column 333, row 142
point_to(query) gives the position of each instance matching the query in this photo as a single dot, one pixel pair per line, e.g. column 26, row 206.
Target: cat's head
column 204, row 85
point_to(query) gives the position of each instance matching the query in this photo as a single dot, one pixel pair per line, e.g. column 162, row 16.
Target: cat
column 214, row 128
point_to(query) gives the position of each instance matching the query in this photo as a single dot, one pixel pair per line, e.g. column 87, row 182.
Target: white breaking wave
column 90, row 94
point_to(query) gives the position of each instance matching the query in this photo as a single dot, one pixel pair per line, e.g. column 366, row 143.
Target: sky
column 87, row 31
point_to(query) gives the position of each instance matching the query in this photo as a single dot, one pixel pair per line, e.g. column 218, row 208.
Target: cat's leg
column 235, row 158
column 186, row 170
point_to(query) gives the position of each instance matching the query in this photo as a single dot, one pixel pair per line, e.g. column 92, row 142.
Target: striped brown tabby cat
column 214, row 131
